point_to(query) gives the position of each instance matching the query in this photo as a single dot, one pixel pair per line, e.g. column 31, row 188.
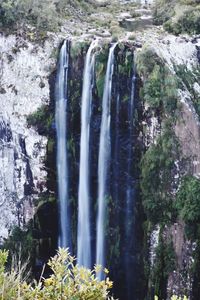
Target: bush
column 165, row 12
column 160, row 88
column 188, row 200
column 20, row 244
column 158, row 165
column 40, row 14
column 164, row 265
column 42, row 120
column 45, row 15
column 146, row 60
column 68, row 281
column 186, row 79
column 188, row 22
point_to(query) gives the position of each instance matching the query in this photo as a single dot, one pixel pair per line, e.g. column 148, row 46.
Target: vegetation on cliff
column 45, row 14
column 181, row 16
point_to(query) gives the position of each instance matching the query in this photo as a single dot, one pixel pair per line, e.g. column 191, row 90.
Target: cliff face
column 179, row 53
column 184, row 52
column 23, row 88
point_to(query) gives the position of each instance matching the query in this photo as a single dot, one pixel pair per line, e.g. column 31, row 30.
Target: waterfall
column 103, row 160
column 61, row 130
column 130, row 194
column 129, row 180
column 116, row 154
column 84, row 235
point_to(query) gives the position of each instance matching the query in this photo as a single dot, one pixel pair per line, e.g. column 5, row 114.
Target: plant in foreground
column 67, row 282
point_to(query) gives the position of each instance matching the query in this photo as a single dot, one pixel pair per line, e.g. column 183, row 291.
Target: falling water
column 130, row 185
column 116, row 155
column 84, row 243
column 61, row 129
column 103, row 161
column 130, row 195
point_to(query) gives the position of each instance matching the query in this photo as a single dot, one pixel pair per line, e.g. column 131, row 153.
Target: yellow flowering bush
column 67, row 282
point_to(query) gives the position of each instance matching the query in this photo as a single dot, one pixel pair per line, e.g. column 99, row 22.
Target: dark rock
column 198, row 53
column 14, row 90
column 10, row 58
column 41, row 84
column 5, row 131
column 194, row 40
column 2, row 90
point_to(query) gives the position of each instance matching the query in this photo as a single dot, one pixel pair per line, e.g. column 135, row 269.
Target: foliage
column 68, row 281
column 188, row 22
column 44, row 15
column 160, row 90
column 188, row 200
column 163, row 11
column 101, row 61
column 21, row 247
column 146, row 60
column 160, row 85
column 186, row 79
column 41, row 119
column 41, row 14
column 158, row 165
column 181, row 16
column 165, row 264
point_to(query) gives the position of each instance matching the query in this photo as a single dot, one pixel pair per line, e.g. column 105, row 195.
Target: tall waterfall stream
column 114, row 154
column 84, row 236
column 104, row 160
column 62, row 160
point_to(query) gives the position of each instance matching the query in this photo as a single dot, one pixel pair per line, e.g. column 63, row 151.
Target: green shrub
column 45, row 15
column 146, row 60
column 188, row 22
column 41, row 119
column 188, row 200
column 165, row 12
column 157, row 167
column 160, row 89
column 164, row 265
column 20, row 245
column 41, row 14
column 186, row 79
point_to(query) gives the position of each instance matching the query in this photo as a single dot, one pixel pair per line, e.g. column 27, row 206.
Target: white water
column 104, row 160
column 61, row 130
column 84, row 235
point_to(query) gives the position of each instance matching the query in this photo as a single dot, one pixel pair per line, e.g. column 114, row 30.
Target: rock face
column 184, row 52
column 178, row 52
column 23, row 89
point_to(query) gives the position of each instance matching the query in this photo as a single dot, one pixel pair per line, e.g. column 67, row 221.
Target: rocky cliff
column 24, row 88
